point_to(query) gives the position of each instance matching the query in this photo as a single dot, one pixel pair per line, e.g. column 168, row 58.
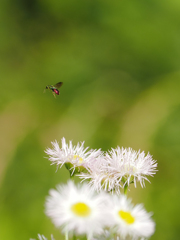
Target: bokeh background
column 120, row 64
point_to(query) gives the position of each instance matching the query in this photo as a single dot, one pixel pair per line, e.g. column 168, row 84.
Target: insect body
column 54, row 88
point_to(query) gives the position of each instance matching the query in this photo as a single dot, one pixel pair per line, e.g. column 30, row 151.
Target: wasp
column 54, row 88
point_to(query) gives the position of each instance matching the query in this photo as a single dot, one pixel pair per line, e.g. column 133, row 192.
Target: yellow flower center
column 81, row 209
column 127, row 217
column 77, row 158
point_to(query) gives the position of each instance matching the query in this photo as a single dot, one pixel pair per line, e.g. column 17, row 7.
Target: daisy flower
column 76, row 158
column 42, row 237
column 77, row 209
column 130, row 221
column 130, row 166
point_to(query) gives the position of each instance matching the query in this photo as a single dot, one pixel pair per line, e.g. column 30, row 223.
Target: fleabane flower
column 129, row 221
column 130, row 166
column 77, row 208
column 99, row 177
column 118, row 168
column 42, row 237
column 76, row 158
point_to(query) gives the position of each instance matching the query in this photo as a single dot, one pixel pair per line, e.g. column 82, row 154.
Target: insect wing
column 58, row 85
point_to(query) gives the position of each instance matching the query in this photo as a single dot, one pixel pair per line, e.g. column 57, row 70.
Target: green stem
column 89, row 237
column 74, row 237
column 66, row 235
column 125, row 189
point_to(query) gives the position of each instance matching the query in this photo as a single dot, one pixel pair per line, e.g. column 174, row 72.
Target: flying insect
column 54, row 88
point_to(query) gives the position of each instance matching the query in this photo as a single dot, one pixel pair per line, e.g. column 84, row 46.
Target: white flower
column 77, row 209
column 119, row 168
column 75, row 156
column 100, row 177
column 129, row 221
column 42, row 237
column 129, row 166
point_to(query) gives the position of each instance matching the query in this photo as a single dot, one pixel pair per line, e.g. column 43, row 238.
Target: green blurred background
column 120, row 64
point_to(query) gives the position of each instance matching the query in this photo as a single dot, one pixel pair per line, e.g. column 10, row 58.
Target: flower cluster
column 109, row 171
column 80, row 210
column 88, row 208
